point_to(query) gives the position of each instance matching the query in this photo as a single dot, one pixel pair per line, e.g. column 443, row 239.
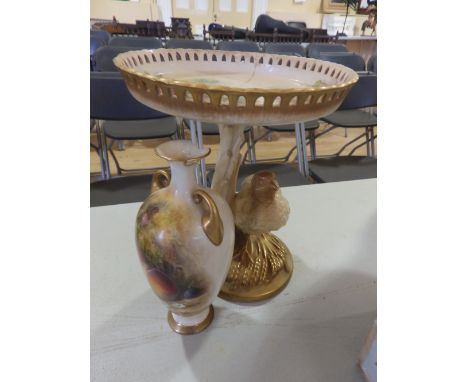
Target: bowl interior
column 235, row 70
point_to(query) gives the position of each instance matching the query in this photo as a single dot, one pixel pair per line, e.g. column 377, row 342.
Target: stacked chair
column 188, row 44
column 104, row 55
column 350, row 115
column 120, row 117
column 314, row 49
column 372, row 64
column 285, row 49
column 98, row 38
column 349, row 59
column 136, row 43
column 126, row 129
column 94, row 44
column 101, row 34
column 241, row 46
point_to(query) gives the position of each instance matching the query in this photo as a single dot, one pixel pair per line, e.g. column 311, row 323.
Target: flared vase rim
column 181, row 151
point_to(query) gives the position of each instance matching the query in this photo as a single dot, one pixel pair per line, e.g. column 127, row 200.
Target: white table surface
column 312, row 331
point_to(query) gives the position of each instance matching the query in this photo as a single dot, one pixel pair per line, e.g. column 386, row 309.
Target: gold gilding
column 161, row 179
column 211, row 221
column 183, row 329
column 261, row 268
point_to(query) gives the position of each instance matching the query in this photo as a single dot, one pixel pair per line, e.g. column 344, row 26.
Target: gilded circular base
column 261, row 291
column 182, row 329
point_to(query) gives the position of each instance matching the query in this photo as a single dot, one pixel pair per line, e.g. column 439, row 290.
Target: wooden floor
column 140, row 154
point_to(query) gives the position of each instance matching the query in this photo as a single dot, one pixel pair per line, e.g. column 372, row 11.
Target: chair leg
column 247, row 141
column 202, row 162
column 251, row 146
column 119, row 169
column 101, row 160
column 104, row 157
column 180, row 128
column 121, row 145
column 269, row 136
column 350, row 143
column 313, row 153
column 194, row 140
column 302, row 162
column 372, row 139
column 367, row 141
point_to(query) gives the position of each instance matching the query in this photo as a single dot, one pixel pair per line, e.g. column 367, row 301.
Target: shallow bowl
column 235, row 88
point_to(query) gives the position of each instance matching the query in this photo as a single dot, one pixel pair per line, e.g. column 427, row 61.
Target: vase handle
column 211, row 221
column 161, row 179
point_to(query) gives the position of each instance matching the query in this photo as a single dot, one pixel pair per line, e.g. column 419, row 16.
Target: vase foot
column 192, row 324
column 261, row 268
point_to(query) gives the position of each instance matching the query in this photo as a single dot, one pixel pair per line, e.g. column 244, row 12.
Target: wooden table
column 312, row 331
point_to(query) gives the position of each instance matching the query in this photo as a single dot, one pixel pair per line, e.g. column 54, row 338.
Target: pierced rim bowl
column 236, row 88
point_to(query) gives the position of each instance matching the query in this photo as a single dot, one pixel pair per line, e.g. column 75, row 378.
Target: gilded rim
column 215, row 103
column 120, row 63
column 186, row 160
column 185, row 330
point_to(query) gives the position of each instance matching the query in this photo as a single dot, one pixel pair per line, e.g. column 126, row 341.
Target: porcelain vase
column 185, row 239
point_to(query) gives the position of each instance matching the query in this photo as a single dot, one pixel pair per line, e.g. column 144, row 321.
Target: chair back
column 188, row 44
column 314, row 49
column 372, row 64
column 241, row 46
column 105, row 54
column 102, row 34
column 136, row 42
column 362, row 94
column 349, row 59
column 111, row 100
column 95, row 43
column 285, row 49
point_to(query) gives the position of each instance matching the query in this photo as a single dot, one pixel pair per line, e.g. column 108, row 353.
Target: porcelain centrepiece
column 236, row 90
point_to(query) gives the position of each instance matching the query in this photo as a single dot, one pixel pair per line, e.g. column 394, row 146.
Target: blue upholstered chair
column 136, row 43
column 285, row 49
column 188, row 44
column 351, row 115
column 121, row 117
column 240, row 46
column 314, row 49
column 349, row 59
column 372, row 64
column 101, row 34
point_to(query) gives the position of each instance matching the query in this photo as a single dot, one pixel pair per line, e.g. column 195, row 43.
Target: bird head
column 264, row 186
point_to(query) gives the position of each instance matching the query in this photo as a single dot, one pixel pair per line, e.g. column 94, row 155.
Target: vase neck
column 183, row 179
